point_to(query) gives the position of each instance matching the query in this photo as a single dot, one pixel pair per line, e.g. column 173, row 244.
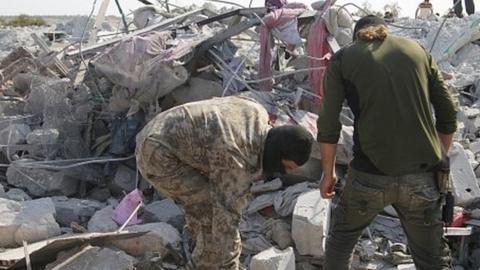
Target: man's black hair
column 286, row 142
column 369, row 20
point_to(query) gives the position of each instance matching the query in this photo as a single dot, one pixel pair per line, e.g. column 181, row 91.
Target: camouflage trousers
column 212, row 205
column 416, row 199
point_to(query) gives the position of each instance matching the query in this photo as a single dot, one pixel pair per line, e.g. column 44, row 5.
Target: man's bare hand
column 327, row 187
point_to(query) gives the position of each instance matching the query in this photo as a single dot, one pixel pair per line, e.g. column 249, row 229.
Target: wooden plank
column 46, row 49
column 155, row 27
column 99, row 19
column 454, row 231
column 230, row 32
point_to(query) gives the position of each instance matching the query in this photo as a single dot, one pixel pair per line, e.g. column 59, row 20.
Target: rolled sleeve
column 329, row 126
column 444, row 108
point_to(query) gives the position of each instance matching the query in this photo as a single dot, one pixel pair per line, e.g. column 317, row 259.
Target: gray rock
column 99, row 194
column 29, row 221
column 40, row 182
column 124, row 181
column 18, row 195
column 14, row 134
column 281, row 234
column 310, row 223
column 274, row 259
column 161, row 238
column 113, row 202
column 43, row 136
column 102, row 221
column 94, row 258
column 164, row 211
column 465, row 186
column 74, row 210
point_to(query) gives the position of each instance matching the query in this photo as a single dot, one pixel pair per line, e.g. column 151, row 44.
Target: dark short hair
column 369, row 20
column 286, row 142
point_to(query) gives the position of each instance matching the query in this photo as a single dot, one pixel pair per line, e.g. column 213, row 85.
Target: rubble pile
column 70, row 109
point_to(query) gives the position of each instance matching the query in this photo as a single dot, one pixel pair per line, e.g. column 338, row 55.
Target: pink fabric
column 458, row 220
column 274, row 4
column 317, row 46
column 126, row 208
column 271, row 20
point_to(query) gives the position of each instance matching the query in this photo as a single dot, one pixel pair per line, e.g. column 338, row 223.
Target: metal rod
column 27, row 255
column 130, row 217
column 123, row 16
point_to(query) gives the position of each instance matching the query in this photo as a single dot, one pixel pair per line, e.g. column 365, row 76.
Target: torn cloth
column 272, row 20
column 317, row 47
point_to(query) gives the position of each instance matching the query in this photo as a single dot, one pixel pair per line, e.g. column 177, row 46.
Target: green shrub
column 23, row 20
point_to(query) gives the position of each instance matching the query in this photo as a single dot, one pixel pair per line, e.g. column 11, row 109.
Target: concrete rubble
column 100, row 258
column 274, row 259
column 69, row 116
column 29, row 221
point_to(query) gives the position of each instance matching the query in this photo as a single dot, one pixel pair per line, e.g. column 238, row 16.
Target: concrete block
column 281, row 234
column 40, row 182
column 161, row 238
column 123, row 181
column 31, row 221
column 465, row 185
column 310, row 223
column 274, row 259
column 43, row 136
column 74, row 210
column 474, row 147
column 95, row 258
column 164, row 211
column 102, row 221
column 409, row 266
column 16, row 194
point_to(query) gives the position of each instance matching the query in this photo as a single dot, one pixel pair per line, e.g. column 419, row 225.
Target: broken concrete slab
column 281, row 234
column 93, row 258
column 310, row 223
column 40, row 182
column 465, row 185
column 43, row 136
column 123, row 181
column 16, row 194
column 409, row 266
column 74, row 210
column 29, row 221
column 45, row 251
column 161, row 238
column 274, row 259
column 102, row 221
column 164, row 211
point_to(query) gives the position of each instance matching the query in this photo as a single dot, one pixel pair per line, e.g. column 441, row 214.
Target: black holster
column 445, row 188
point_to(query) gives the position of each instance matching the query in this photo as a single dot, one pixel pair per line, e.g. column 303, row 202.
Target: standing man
column 205, row 155
column 469, row 6
column 390, row 84
column 424, row 10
